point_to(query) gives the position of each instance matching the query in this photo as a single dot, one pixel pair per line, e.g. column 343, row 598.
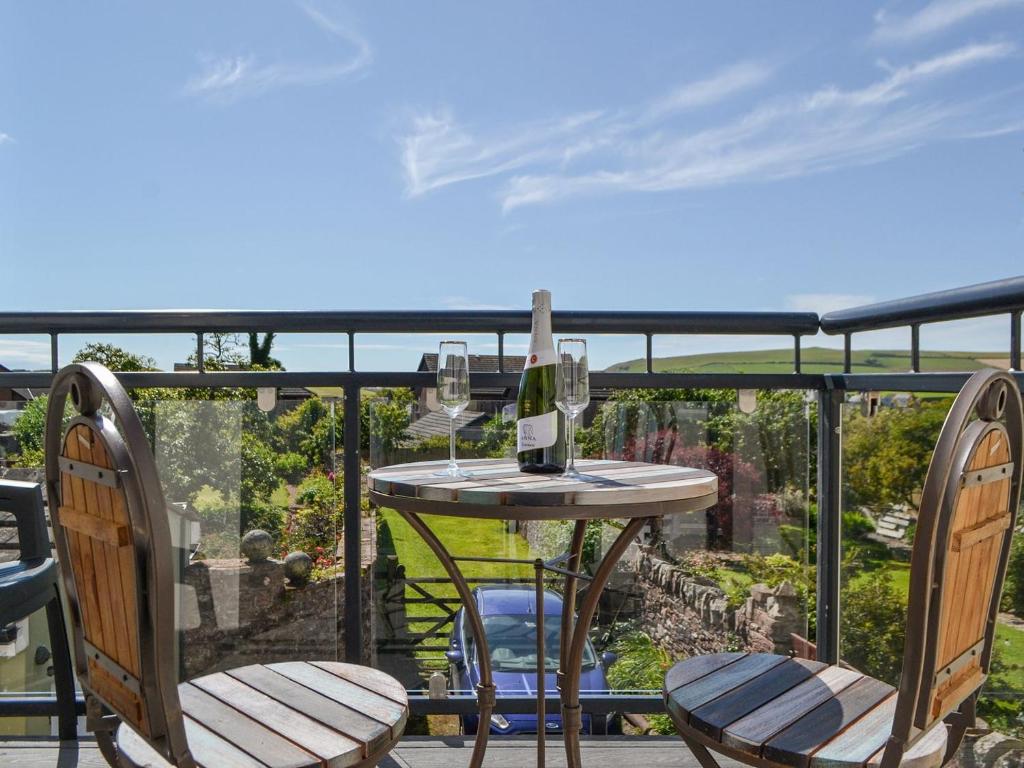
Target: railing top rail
column 383, row 321
column 990, row 298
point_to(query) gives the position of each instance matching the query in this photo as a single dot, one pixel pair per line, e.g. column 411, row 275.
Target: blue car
column 509, row 615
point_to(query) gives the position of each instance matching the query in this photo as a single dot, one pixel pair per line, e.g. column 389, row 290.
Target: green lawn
column 813, row 360
column 462, row 537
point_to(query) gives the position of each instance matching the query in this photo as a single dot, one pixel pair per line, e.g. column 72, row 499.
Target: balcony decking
column 417, row 752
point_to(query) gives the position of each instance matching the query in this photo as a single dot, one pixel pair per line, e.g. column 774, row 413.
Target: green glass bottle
column 540, row 432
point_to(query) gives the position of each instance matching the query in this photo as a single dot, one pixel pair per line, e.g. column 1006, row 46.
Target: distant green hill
column 815, row 360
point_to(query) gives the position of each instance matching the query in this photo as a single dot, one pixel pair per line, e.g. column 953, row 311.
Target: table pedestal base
column 574, row 631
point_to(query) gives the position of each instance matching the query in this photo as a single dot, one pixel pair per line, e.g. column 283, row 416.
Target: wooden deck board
column 419, row 752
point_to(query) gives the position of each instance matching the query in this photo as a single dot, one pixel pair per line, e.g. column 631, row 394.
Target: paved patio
column 415, row 752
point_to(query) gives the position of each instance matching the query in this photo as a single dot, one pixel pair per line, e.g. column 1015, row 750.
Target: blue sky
column 440, row 155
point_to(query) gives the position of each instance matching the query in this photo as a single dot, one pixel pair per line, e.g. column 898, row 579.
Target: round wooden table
column 497, row 490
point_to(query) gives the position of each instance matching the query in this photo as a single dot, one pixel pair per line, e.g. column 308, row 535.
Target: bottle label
column 535, row 358
column 534, row 432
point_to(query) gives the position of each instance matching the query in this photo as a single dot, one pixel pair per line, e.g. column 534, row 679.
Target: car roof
column 513, row 599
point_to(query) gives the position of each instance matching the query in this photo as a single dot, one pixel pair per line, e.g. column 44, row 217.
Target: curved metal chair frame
column 990, row 396
column 958, row 565
column 111, row 529
column 89, row 386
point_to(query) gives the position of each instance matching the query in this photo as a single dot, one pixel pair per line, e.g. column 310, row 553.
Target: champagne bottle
column 540, row 434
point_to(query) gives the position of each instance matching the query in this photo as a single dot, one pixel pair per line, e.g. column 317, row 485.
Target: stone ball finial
column 257, row 546
column 297, row 567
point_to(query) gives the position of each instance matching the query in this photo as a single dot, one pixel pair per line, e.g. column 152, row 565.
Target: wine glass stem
column 572, row 444
column 452, row 466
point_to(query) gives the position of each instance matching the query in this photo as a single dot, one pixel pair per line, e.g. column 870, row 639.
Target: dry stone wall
column 686, row 615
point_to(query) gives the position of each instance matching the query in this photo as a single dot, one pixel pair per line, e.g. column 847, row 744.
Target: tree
column 115, row 358
column 388, row 421
column 259, row 352
column 886, row 456
column 29, row 431
column 873, row 629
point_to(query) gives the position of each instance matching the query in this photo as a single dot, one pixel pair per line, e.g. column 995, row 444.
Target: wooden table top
column 498, row 490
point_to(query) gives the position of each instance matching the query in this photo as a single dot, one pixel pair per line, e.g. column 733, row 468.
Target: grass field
column 813, row 360
column 462, row 537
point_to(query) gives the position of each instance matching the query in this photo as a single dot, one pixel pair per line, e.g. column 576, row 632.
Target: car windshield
column 513, row 642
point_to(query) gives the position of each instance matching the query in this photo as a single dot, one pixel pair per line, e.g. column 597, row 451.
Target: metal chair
column 770, row 710
column 112, row 535
column 30, row 583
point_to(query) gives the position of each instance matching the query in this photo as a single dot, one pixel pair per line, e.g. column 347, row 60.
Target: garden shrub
column 290, row 466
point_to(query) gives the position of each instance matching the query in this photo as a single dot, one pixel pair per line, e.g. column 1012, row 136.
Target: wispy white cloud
column 229, row 78
column 6, row 138
column 720, row 86
column 24, row 353
column 649, row 148
column 933, row 18
column 825, row 302
column 438, row 151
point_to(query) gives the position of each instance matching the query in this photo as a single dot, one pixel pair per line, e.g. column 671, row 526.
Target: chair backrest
column 965, row 524
column 25, row 502
column 113, row 541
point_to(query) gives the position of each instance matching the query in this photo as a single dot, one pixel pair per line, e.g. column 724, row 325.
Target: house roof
column 477, row 363
column 437, row 423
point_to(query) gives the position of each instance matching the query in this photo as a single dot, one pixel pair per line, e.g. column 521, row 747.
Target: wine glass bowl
column 572, row 393
column 453, row 393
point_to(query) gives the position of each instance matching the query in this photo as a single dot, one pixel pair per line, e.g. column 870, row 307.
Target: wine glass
column 453, row 393
column 572, row 392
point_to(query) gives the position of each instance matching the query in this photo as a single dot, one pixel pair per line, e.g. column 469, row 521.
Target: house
column 485, row 400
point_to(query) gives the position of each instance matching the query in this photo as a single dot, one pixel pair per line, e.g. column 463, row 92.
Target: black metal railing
column 986, row 299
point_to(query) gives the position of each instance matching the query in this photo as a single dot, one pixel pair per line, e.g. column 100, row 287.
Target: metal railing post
column 353, row 529
column 54, row 354
column 830, row 403
column 1015, row 341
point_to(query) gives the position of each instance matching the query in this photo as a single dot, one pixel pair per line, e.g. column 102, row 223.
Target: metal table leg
column 570, row 675
column 485, row 689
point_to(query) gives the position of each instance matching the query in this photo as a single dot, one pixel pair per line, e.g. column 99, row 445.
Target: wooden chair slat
column 95, row 527
column 794, row 745
column 380, row 708
column 335, row 749
column 338, row 717
column 969, row 506
column 367, row 677
column 129, row 596
column 118, row 696
column 208, row 749
column 712, row 718
column 983, row 531
column 687, row 698
column 855, row 745
column 112, row 555
column 91, row 619
column 243, row 732
column 697, row 666
column 926, row 752
column 749, row 733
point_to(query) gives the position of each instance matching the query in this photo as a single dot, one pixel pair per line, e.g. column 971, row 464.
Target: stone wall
column 236, row 612
column 686, row 615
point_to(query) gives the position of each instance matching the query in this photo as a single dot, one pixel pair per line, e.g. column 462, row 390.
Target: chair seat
column 25, row 587
column 291, row 714
column 773, row 710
